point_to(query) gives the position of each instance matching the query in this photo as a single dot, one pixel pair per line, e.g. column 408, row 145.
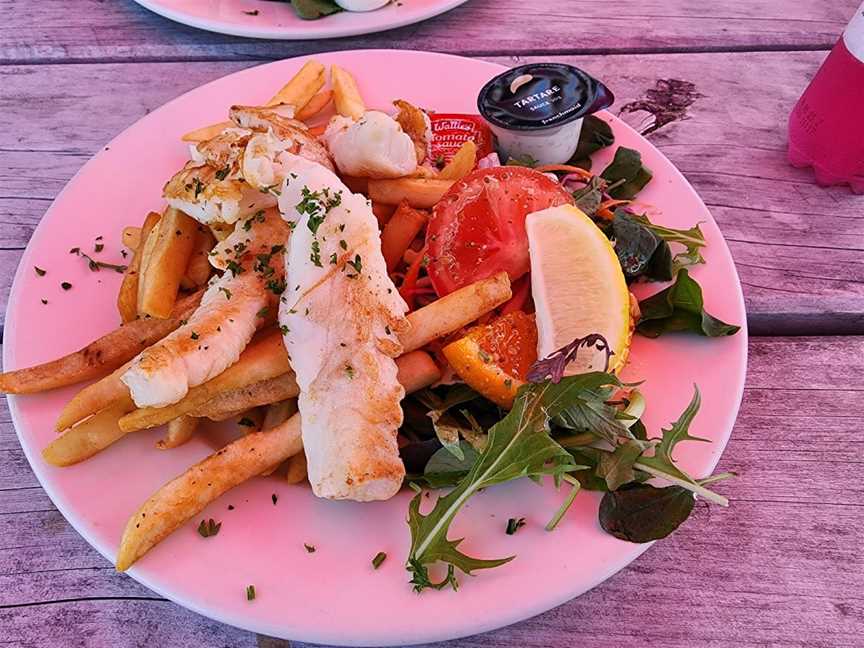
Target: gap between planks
column 540, row 51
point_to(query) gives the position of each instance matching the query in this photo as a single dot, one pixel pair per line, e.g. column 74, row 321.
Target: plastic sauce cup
column 536, row 110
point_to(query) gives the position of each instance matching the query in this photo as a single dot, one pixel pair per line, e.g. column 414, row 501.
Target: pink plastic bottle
column 826, row 127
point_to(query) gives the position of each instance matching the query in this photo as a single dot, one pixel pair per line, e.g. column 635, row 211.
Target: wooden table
column 782, row 566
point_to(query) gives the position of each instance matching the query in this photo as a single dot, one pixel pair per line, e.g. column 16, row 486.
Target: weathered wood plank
column 798, row 246
column 781, row 566
column 96, row 30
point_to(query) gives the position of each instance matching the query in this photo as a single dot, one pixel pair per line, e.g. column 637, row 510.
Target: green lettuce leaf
column 680, row 307
column 314, row 9
column 626, row 174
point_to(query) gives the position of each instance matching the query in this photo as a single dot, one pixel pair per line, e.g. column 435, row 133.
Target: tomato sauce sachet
column 450, row 131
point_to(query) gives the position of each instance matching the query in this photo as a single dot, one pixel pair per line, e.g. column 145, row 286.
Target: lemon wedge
column 578, row 288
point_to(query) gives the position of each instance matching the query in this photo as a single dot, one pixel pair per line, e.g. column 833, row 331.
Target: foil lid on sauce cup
column 536, row 110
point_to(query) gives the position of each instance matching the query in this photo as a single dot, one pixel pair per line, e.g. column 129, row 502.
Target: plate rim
column 465, row 628
column 289, row 33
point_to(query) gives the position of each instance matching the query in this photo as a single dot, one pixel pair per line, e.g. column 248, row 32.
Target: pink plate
column 334, row 596
column 279, row 20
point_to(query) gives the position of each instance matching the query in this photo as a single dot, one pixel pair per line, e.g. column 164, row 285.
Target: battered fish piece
column 341, row 315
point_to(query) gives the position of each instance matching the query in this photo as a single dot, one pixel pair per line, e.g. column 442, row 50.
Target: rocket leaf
column 519, row 446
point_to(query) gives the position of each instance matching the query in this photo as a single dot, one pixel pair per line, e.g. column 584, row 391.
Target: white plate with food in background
column 279, row 20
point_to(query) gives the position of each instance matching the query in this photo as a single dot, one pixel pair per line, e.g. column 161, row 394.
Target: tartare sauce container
column 536, row 110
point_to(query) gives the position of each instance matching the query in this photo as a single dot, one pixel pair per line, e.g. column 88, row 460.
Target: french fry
column 207, row 132
column 180, row 430
column 131, row 237
column 453, row 311
column 402, row 228
column 316, row 104
column 161, row 271
column 264, row 358
column 263, row 392
column 462, row 163
column 127, row 298
column 295, row 471
column 198, row 269
column 97, row 358
column 356, row 185
column 421, row 193
column 383, row 213
column 278, row 413
column 88, row 437
column 187, row 495
column 416, row 370
column 346, row 95
column 301, row 88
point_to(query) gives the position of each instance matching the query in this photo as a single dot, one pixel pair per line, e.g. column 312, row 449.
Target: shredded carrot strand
column 567, row 168
column 604, row 211
column 409, row 285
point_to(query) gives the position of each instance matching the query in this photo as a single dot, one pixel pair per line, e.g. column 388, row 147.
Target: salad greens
column 680, row 307
column 627, row 173
column 532, row 441
column 595, row 135
column 314, row 9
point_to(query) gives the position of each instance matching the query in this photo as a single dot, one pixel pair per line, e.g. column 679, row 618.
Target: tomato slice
column 478, row 228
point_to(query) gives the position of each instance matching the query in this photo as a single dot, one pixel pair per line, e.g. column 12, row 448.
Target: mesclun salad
column 439, row 319
column 315, row 9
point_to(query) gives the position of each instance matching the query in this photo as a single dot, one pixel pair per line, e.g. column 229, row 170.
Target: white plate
column 278, row 20
column 334, row 596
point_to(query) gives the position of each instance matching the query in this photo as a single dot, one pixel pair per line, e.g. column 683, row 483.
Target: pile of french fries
column 162, row 287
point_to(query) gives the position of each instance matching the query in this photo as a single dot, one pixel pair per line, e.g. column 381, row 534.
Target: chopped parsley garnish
column 199, row 186
column 349, row 371
column 239, row 249
column 250, row 592
column 247, row 225
column 284, row 329
column 94, row 265
column 45, row 302
column 65, row 285
column 276, row 249
column 221, row 174
column 259, row 216
column 333, row 259
column 275, row 498
column 513, row 525
column 277, row 287
column 263, row 312
column 254, row 12
column 343, row 244
column 230, row 507
column 194, row 335
column 99, row 247
column 226, row 291
column 209, row 528
column 387, row 330
column 357, row 263
column 379, row 558
column 485, row 357
column 315, row 257
column 246, row 422
column 309, row 548
column 234, row 267
column 317, row 204
column 124, row 253
column 39, row 271
column 341, row 227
